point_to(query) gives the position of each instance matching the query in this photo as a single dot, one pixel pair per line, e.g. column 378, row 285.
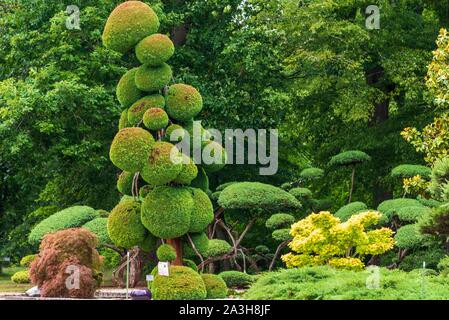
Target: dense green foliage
column 21, row 277
column 410, row 170
column 99, row 227
column 215, row 286
column 280, row 220
column 166, row 252
column 236, row 279
column 345, row 212
column 217, row 247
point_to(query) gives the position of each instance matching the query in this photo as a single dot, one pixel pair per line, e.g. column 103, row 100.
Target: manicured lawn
column 6, row 285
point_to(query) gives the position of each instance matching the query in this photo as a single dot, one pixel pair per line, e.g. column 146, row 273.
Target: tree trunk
column 352, row 184
column 276, row 254
column 176, row 243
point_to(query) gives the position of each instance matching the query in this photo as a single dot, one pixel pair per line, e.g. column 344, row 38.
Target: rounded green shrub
column 410, row 170
column 26, row 261
column 311, row 173
column 262, row 249
column 188, row 172
column 201, row 181
column 301, row 194
column 124, row 226
column 345, row 212
column 201, row 242
column 431, row 203
column 321, row 204
column 21, row 277
column 389, row 208
column 99, row 227
column 128, row 24
column 202, row 213
column 183, row 102
column 163, row 164
column 103, row 213
column 151, row 79
column 149, row 243
column 138, row 109
column 127, row 91
column 166, row 211
column 125, row 182
column 214, row 156
column 182, row 284
column 130, row 149
column 217, row 247
column 281, row 235
column 155, row 49
column 155, row 119
column 409, row 237
column 279, row 220
column 178, row 133
column 166, row 252
column 349, row 158
column 215, row 286
column 71, row 217
column 412, row 213
column 256, row 195
column 123, row 122
column 236, row 279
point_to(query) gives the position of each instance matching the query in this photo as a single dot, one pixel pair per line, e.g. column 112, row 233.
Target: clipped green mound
column 99, row 227
column 301, row 193
column 217, row 247
column 349, row 158
column 411, row 170
column 311, row 173
column 123, row 122
column 215, row 286
column 279, row 220
column 214, row 156
column 166, row 252
column 149, row 244
column 412, row 213
column 130, row 149
column 201, row 181
column 162, row 165
column 203, row 211
column 183, row 102
column 201, row 242
column 138, row 108
column 21, row 277
column 124, row 226
column 127, row 92
column 166, row 211
column 27, row 260
column 188, row 172
column 409, row 237
column 182, row 284
column 151, row 79
column 236, row 279
column 125, row 183
column 71, row 217
column 174, row 133
column 129, row 23
column 155, row 119
column 389, row 208
column 155, row 49
column 255, row 195
column 282, row 235
column 345, row 212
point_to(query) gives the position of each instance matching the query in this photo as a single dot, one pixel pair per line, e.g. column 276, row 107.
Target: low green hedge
column 21, row 277
column 236, row 279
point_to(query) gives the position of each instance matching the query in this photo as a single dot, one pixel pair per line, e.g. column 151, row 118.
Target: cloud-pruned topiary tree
column 279, row 224
column 351, row 159
column 172, row 205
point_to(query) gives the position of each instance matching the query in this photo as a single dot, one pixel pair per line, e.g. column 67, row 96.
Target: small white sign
column 162, row 268
column 149, row 277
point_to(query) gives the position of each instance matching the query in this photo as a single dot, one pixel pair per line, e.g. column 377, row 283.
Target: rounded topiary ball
column 215, row 286
column 130, row 148
column 127, row 91
column 129, row 23
column 166, row 252
column 177, row 131
column 213, row 156
column 155, row 119
column 166, row 211
column 152, row 79
column 155, row 49
column 125, row 182
column 182, row 284
column 138, row 109
column 188, row 172
column 162, row 165
column 183, row 102
column 124, row 226
column 217, row 247
column 203, row 211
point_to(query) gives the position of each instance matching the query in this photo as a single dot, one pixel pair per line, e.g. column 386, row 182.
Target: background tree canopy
column 309, row 68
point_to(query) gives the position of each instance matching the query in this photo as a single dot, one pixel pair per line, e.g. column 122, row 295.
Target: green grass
column 6, row 285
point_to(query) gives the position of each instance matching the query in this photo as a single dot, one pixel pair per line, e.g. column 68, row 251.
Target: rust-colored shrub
column 67, row 264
